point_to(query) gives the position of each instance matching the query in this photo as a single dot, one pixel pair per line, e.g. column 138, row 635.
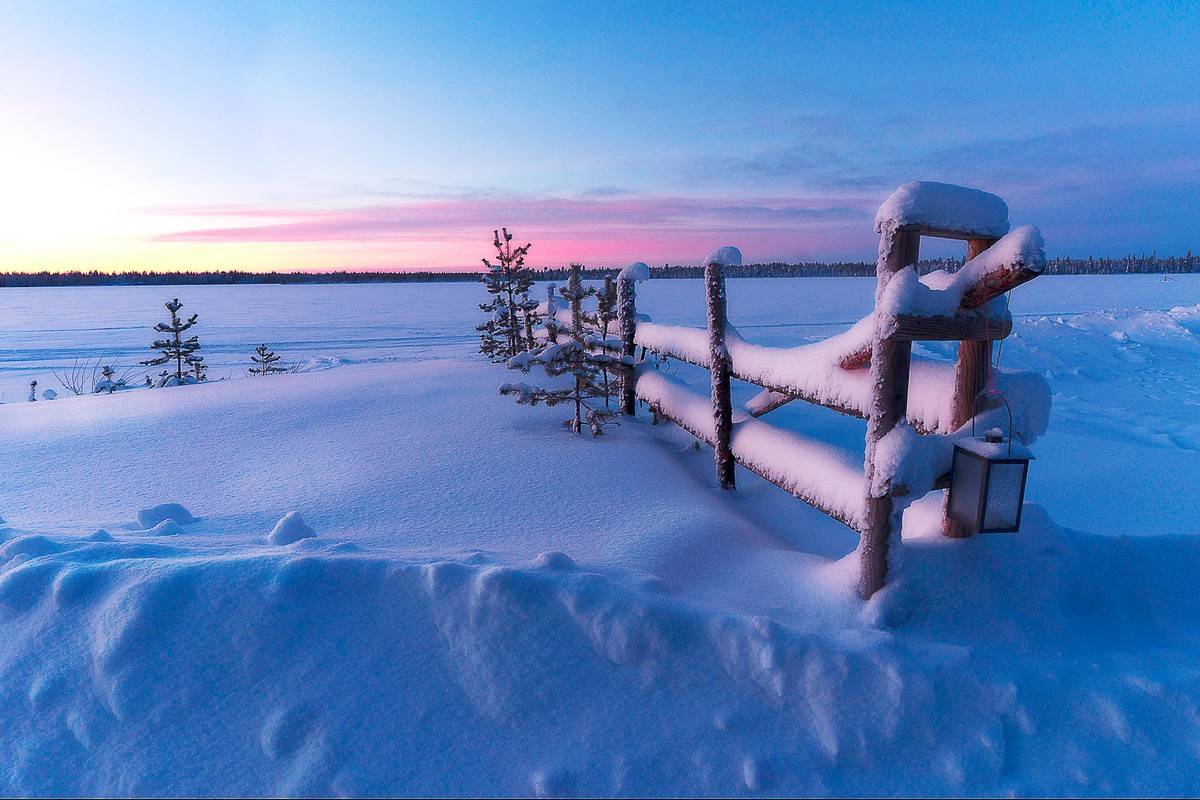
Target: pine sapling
column 606, row 315
column 110, row 381
column 551, row 322
column 508, row 330
column 174, row 347
column 568, row 358
column 199, row 368
column 266, row 362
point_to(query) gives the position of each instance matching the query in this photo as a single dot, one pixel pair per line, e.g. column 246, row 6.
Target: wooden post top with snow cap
column 944, row 211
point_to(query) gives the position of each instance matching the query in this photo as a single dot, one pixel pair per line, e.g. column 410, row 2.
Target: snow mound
column 998, row 666
column 167, row 527
column 725, row 257
column 99, row 536
column 637, row 271
column 149, row 517
column 290, row 528
column 943, row 206
column 554, row 560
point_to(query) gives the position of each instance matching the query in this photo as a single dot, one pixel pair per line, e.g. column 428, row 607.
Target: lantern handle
column 975, row 406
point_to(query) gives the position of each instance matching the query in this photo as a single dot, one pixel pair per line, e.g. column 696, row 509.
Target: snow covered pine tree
column 571, row 357
column 265, row 361
column 175, row 347
column 109, row 381
column 606, row 315
column 199, row 368
column 511, row 312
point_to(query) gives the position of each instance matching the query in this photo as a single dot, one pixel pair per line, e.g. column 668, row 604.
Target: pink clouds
column 595, row 230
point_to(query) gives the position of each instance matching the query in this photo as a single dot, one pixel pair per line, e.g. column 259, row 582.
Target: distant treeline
column 134, row 278
column 807, row 269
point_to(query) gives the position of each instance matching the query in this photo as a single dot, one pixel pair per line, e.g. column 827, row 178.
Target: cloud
column 610, row 226
column 1130, row 185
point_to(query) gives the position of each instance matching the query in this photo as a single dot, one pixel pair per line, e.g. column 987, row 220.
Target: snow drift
column 1003, row 665
column 440, row 637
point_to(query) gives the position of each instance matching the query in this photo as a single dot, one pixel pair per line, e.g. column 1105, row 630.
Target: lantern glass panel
column 967, row 483
column 1003, row 508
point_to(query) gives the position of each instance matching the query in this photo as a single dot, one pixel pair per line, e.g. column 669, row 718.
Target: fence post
column 714, row 288
column 890, row 360
column 575, row 286
column 971, row 372
column 627, row 327
column 551, row 317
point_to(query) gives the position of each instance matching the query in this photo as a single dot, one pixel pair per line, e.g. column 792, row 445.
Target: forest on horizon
column 1152, row 264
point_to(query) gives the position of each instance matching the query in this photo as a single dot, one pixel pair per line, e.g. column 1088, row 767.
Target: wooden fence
column 864, row 372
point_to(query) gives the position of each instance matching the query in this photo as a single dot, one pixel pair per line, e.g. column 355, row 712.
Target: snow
column 1007, row 448
column 814, row 371
column 458, row 629
column 637, row 271
column 149, row 517
column 690, row 344
column 725, row 257
column 941, row 293
column 943, row 206
column 166, row 527
column 290, row 528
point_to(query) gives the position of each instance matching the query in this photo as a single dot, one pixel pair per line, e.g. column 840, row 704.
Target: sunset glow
column 277, row 136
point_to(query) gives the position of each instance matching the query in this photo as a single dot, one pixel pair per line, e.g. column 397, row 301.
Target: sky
column 301, row 135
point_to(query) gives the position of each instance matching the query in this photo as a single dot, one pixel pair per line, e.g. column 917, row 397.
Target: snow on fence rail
column 915, row 408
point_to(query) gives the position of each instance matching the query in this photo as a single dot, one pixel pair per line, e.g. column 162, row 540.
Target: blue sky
column 278, row 135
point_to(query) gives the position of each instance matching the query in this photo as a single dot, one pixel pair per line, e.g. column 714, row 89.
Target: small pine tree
column 606, row 306
column 109, row 381
column 265, row 361
column 606, row 315
column 575, row 293
column 175, row 348
column 570, row 357
column 199, row 368
column 511, row 312
column 550, row 322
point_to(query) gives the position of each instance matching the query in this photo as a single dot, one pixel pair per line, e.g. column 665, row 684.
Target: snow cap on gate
column 637, row 271
column 725, row 257
column 943, row 206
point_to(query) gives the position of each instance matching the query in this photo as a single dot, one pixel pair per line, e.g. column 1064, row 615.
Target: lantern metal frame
column 976, row 524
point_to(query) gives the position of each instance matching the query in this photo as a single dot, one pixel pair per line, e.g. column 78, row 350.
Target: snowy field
column 491, row 606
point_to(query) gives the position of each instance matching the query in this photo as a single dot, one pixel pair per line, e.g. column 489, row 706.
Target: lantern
column 987, row 482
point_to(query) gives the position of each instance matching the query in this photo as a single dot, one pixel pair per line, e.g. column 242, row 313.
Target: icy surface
column 441, row 637
column 943, row 206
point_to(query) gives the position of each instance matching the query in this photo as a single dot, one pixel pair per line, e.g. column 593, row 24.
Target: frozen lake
column 48, row 328
column 1122, row 364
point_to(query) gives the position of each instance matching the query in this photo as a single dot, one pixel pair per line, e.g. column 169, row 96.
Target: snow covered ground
column 492, row 606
